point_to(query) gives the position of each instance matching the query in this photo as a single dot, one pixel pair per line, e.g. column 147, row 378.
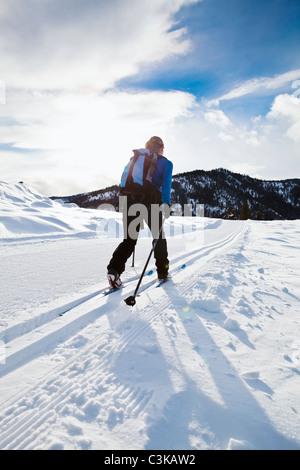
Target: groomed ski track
column 25, row 353
column 81, row 379
column 49, row 330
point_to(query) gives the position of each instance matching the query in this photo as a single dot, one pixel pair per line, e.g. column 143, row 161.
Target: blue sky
column 232, row 41
column 83, row 82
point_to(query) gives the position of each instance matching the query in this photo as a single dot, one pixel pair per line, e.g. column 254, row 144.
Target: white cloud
column 60, row 63
column 54, row 44
column 286, row 111
column 217, row 117
column 67, row 121
column 225, row 137
column 264, row 147
column 88, row 138
column 84, row 139
column 264, row 85
column 73, row 131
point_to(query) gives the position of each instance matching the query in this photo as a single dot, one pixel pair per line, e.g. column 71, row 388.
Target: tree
column 230, row 213
column 260, row 215
column 245, row 212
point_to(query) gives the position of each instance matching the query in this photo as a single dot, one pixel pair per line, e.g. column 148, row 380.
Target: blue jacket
column 162, row 177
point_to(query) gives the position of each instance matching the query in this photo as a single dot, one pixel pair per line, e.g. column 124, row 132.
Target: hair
column 154, row 145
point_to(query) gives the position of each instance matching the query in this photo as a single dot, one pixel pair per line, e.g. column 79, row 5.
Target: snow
column 211, row 360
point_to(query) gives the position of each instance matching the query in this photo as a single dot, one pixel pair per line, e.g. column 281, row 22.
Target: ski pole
column 132, row 264
column 131, row 299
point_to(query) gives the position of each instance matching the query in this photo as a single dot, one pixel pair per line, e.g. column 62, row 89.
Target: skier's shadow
column 239, row 415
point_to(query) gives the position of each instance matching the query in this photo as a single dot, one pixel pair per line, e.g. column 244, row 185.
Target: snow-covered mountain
column 209, row 361
column 222, row 192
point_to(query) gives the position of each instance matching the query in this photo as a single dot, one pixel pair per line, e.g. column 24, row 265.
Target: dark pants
column 131, row 232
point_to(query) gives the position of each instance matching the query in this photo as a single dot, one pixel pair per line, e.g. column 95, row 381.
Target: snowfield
column 210, row 360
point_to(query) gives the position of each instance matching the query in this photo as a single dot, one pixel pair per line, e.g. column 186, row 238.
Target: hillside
column 222, row 192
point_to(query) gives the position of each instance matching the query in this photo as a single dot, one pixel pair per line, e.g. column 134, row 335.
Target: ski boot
column 114, row 279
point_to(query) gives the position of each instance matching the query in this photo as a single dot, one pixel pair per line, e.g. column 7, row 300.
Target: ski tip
column 183, row 266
